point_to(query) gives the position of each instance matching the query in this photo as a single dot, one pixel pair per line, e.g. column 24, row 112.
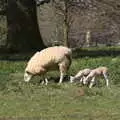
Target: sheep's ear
column 28, row 72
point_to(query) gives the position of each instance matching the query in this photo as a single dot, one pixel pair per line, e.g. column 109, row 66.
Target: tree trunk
column 66, row 25
column 66, row 29
column 88, row 38
column 23, row 31
column 3, row 26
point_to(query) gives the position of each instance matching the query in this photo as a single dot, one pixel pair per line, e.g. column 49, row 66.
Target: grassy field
column 33, row 101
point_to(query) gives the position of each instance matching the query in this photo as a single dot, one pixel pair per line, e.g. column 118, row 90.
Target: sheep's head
column 27, row 77
column 40, row 2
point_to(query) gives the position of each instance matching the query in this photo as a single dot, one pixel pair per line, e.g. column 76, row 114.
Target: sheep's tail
column 69, row 54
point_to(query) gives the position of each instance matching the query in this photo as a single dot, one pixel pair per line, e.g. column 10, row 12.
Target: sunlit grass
column 59, row 102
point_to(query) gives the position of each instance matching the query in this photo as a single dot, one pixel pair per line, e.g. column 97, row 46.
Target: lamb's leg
column 92, row 82
column 106, row 78
column 85, row 80
column 61, row 77
column 82, row 79
column 71, row 79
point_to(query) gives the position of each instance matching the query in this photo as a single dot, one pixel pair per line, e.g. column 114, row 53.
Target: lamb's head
column 40, row 2
column 27, row 76
column 71, row 79
column 86, row 71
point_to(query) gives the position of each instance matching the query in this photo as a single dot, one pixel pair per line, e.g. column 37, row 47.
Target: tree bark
column 66, row 29
column 23, row 31
column 66, row 25
column 88, row 38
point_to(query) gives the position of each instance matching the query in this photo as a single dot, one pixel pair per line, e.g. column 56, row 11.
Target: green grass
column 20, row 100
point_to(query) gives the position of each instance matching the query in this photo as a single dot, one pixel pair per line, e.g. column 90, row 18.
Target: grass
column 20, row 100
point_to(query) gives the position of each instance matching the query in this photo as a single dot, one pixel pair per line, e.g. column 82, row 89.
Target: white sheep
column 95, row 73
column 80, row 75
column 52, row 58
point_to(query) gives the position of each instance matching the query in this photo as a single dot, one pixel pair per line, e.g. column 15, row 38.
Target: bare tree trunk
column 66, row 43
column 88, row 38
column 3, row 26
column 66, row 25
column 23, row 31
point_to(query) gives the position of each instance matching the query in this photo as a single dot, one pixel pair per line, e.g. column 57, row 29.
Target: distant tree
column 23, row 31
column 62, row 8
column 88, row 38
column 3, row 25
column 2, row 7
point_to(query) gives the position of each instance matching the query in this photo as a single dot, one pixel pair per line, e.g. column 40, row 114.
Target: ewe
column 80, row 75
column 52, row 58
column 95, row 73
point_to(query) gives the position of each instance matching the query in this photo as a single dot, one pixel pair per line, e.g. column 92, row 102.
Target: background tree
column 62, row 8
column 3, row 25
column 23, row 32
column 100, row 17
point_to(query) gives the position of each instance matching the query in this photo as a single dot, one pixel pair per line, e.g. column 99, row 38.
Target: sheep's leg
column 106, row 78
column 61, row 77
column 62, row 70
column 46, row 81
column 92, row 82
column 42, row 82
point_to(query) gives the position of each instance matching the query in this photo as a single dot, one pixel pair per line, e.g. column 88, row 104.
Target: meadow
column 33, row 101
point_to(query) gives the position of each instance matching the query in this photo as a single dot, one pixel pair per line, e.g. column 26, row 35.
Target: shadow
column 77, row 53
column 96, row 52
column 56, row 79
column 16, row 56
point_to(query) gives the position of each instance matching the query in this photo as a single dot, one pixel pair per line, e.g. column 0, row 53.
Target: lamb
column 95, row 73
column 52, row 58
column 80, row 75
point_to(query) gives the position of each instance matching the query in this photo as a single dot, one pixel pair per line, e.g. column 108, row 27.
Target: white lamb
column 80, row 75
column 52, row 58
column 95, row 73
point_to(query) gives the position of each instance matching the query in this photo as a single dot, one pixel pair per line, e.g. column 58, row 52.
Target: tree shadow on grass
column 96, row 52
column 16, row 56
column 87, row 52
